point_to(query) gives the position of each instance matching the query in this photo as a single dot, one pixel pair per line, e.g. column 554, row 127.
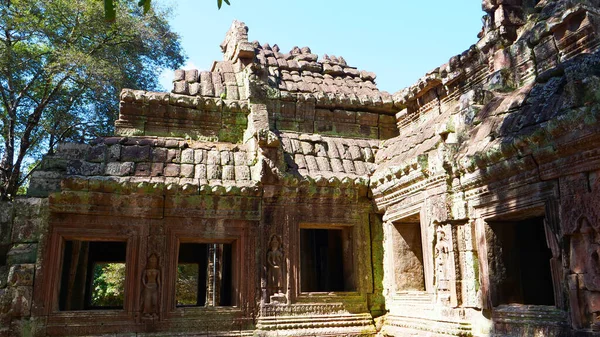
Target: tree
column 61, row 69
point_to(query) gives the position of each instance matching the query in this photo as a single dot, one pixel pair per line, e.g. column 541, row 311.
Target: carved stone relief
column 442, row 263
column 275, row 267
column 150, row 291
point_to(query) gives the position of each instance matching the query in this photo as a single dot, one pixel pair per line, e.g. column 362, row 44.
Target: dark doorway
column 326, row 260
column 519, row 260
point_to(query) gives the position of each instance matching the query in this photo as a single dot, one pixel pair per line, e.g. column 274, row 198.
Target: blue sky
column 398, row 40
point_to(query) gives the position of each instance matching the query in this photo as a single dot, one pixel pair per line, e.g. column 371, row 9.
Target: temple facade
column 284, row 194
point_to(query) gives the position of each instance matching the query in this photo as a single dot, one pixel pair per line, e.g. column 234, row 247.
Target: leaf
column 145, row 4
column 219, row 3
column 227, row 2
column 110, row 12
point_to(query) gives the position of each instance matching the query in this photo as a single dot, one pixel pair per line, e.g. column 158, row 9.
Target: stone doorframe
column 539, row 205
column 65, row 227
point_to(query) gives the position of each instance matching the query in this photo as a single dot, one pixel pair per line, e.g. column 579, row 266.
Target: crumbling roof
column 314, row 155
column 330, row 79
column 220, row 83
column 301, row 71
column 154, row 160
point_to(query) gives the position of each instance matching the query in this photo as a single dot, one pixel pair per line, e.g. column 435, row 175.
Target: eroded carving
column 275, row 266
column 150, row 292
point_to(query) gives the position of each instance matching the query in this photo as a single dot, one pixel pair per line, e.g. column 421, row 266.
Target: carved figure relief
column 275, row 263
column 584, row 278
column 442, row 250
column 151, row 282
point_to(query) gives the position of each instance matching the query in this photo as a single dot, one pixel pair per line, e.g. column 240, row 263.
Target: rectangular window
column 326, row 260
column 93, row 275
column 407, row 252
column 519, row 263
column 204, row 275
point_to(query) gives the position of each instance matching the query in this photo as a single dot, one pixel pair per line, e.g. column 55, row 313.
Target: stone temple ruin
column 282, row 194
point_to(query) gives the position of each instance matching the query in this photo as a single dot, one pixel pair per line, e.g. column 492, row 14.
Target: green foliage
column 220, row 3
column 108, row 285
column 110, row 11
column 61, row 69
column 187, row 283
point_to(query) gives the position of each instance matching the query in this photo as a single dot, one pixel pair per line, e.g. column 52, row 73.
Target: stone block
column 232, row 92
column 226, row 158
column 194, row 89
column 179, row 75
column 360, row 167
column 240, row 158
column 336, row 165
column 348, row 166
column 200, row 171
column 206, row 83
column 113, row 153
column 187, row 156
column 157, row 169
column 367, row 131
column 172, row 170
column 22, row 253
column 501, row 60
column 311, row 163
column 30, row 219
column 355, row 153
column 214, row 157
column 200, row 156
column 593, row 301
column 367, row 118
column 97, row 153
column 546, row 54
column 228, row 172
column 119, row 169
column 298, row 162
column 508, row 16
column 181, row 87
column 171, row 143
column 20, row 301
column 52, row 163
column 344, row 116
column 135, row 153
column 187, row 171
column 72, row 150
column 191, row 75
column 242, row 172
column 173, row 156
column 159, row 154
column 44, row 182
column 213, row 172
column 387, row 133
column 323, row 164
column 323, row 115
column 143, row 169
column 305, row 110
column 307, row 148
column 84, row 168
column 21, row 275
column 6, row 222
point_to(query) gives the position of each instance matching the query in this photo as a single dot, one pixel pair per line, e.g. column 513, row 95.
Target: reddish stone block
column 143, row 169
column 172, row 170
